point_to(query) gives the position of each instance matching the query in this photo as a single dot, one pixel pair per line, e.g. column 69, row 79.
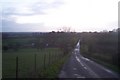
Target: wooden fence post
column 16, row 67
column 35, row 61
column 44, row 60
column 49, row 58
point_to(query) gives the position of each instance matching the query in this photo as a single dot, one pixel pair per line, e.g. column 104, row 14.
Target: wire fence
column 28, row 64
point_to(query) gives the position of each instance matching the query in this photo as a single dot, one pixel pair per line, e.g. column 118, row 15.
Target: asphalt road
column 78, row 66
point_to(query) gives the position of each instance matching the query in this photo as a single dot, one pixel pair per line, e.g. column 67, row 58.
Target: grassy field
column 33, row 62
column 26, row 61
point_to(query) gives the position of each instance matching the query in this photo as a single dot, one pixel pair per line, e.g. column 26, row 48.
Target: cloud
column 11, row 9
column 29, row 8
column 25, row 8
column 26, row 15
column 12, row 26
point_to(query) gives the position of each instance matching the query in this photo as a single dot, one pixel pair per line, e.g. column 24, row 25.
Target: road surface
column 78, row 66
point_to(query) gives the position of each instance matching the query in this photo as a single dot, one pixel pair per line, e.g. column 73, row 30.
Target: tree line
column 101, row 45
column 63, row 40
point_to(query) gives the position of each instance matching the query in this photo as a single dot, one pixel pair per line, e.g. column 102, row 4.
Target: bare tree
column 65, row 29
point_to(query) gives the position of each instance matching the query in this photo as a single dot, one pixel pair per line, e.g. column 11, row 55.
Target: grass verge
column 54, row 69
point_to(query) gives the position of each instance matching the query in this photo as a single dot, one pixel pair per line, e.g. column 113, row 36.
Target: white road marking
column 105, row 69
column 79, row 61
column 108, row 70
column 76, row 74
column 79, row 76
column 86, row 58
column 85, row 68
column 97, row 65
column 102, row 67
column 74, row 68
column 91, row 72
column 75, row 52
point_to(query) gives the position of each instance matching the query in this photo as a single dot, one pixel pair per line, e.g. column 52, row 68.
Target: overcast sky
column 51, row 15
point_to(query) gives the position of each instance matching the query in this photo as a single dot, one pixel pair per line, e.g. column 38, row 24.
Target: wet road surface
column 78, row 66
